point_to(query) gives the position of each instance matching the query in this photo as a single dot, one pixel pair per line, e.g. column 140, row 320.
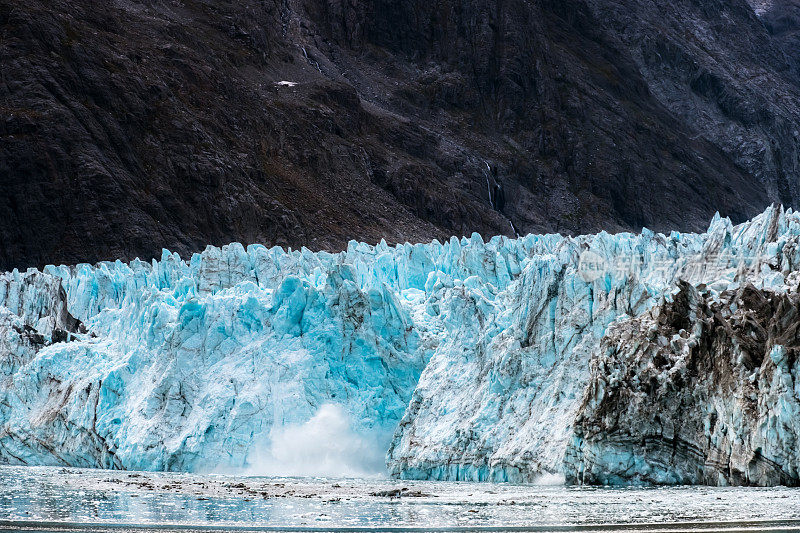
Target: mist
column 550, row 479
column 324, row 446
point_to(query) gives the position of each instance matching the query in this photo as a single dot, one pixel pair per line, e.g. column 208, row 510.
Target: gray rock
column 715, row 406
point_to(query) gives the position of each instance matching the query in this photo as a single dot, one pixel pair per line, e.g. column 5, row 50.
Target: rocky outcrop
column 130, row 126
column 700, row 390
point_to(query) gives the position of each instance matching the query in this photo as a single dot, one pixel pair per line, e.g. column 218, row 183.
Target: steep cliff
column 133, row 125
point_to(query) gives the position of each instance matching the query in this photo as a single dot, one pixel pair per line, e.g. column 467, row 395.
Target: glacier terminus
column 607, row 359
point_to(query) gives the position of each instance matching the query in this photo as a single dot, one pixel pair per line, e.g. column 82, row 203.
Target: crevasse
column 469, row 359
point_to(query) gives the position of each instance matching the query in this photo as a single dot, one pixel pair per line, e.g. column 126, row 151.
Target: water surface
column 59, row 499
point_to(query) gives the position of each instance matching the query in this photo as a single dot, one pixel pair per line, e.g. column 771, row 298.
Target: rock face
column 607, row 358
column 133, row 125
column 700, row 390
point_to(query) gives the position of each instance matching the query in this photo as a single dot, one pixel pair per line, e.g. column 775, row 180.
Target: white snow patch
column 760, row 6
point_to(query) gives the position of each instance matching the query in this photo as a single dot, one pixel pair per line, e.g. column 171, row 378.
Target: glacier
column 498, row 360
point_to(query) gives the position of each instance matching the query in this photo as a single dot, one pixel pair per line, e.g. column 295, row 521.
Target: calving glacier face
column 175, row 365
column 469, row 360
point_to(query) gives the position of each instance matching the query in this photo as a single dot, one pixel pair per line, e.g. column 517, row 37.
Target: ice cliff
column 608, row 358
column 191, row 365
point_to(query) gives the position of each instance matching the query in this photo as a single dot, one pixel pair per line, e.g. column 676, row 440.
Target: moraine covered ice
column 468, row 360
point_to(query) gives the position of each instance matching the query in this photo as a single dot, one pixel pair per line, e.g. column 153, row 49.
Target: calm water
column 57, row 499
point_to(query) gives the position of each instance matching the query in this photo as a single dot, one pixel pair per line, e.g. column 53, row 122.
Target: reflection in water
column 46, row 495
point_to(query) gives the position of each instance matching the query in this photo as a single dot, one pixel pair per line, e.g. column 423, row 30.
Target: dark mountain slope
column 127, row 126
